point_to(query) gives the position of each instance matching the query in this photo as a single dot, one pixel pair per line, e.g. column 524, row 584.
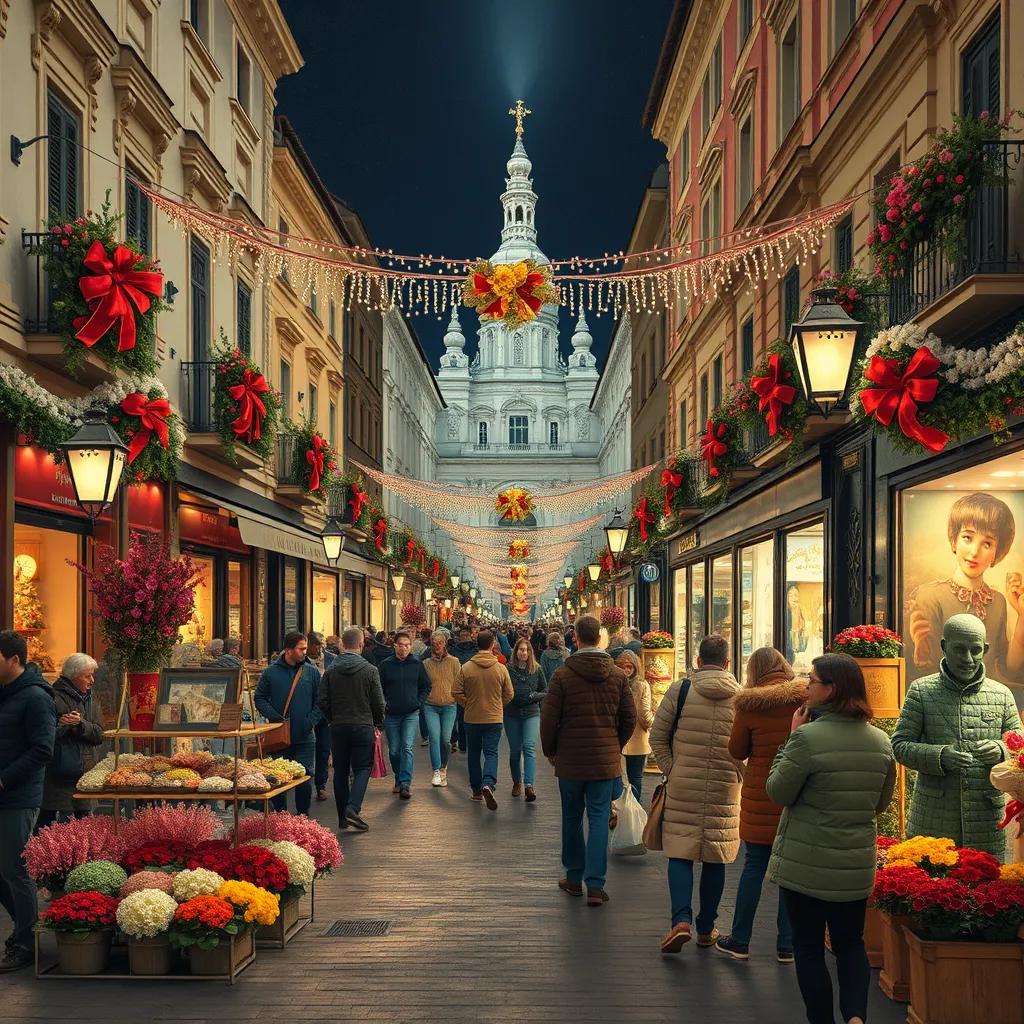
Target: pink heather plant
column 188, row 824
column 53, row 851
column 142, row 600
column 319, row 842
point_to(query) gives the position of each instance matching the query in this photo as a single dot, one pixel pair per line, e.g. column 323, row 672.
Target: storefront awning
column 259, row 533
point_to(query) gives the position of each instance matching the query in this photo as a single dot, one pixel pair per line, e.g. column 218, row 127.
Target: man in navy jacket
column 303, row 710
column 406, row 684
column 28, row 723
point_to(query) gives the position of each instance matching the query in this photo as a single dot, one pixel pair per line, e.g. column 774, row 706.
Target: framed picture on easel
column 191, row 699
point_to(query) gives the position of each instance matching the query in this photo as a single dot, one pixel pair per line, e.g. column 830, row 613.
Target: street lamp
column 333, row 539
column 96, row 459
column 398, row 580
column 617, row 532
column 448, row 602
column 567, row 579
column 454, row 579
column 428, row 593
column 472, row 593
column 824, row 341
column 594, row 568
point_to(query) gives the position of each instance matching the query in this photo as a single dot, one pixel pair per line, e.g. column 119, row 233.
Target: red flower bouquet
column 612, row 618
column 974, row 867
column 157, row 854
column 942, row 909
column 254, row 864
column 1000, row 910
column 205, row 921
column 895, row 888
column 80, row 913
column 656, row 640
column 412, row 614
column 868, row 642
column 319, row 842
column 882, row 844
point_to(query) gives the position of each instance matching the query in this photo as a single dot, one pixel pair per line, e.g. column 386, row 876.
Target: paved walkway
column 479, row 933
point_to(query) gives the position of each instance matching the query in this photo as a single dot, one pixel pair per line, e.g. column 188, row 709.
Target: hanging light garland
column 532, row 535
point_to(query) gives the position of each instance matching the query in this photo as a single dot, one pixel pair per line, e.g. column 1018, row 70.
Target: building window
column 243, row 79
column 717, row 381
column 199, row 285
column 703, row 401
column 684, row 158
column 332, row 317
column 804, row 604
column 199, row 19
column 745, row 154
column 518, row 430
column 980, row 72
column 683, row 425
column 844, row 245
column 661, row 445
column 286, row 389
column 282, row 240
column 747, row 346
column 711, row 98
column 64, row 187
column 243, row 314
column 553, row 433
column 844, row 18
column 136, row 211
column 790, row 299
column 313, row 395
column 642, row 389
column 746, row 20
column 481, row 433
column 789, row 78
column 711, row 219
column 332, row 424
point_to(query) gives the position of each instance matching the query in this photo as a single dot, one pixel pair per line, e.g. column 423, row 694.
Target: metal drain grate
column 355, row 929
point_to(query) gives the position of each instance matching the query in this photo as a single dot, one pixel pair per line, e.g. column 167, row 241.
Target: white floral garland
column 17, row 380
column 971, row 369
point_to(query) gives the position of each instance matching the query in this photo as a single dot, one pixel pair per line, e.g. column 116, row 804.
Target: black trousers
column 809, row 916
column 352, row 750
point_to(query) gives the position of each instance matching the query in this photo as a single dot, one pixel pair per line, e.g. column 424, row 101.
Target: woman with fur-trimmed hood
column 764, row 710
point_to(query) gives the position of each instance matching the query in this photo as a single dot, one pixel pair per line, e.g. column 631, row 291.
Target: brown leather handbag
column 656, row 814
column 280, row 737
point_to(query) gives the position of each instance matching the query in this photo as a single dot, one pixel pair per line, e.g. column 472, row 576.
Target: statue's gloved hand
column 955, row 760
column 988, row 752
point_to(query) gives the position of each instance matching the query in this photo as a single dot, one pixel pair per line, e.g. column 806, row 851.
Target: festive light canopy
column 497, row 554
column 505, row 536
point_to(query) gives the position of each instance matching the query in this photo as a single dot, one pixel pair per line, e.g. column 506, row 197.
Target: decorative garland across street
column 510, row 292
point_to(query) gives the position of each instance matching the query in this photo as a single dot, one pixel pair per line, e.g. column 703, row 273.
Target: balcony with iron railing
column 584, row 449
column 198, row 388
column 290, row 473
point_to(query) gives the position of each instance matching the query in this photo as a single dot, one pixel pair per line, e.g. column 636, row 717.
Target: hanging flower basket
column 511, row 292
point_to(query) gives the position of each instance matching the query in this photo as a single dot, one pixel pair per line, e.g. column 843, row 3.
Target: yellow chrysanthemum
column 258, row 906
column 938, row 852
column 1012, row 873
column 507, row 278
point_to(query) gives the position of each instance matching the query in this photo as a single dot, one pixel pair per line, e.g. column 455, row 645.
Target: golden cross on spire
column 519, row 111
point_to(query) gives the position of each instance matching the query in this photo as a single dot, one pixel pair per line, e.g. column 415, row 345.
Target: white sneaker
column 444, row 776
column 437, row 780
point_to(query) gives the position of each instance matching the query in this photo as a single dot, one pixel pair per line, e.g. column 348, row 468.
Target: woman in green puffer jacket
column 832, row 777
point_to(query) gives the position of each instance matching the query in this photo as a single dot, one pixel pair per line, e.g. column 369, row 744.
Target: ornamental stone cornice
column 335, row 381
column 289, row 334
column 278, row 51
column 5, row 6
column 743, row 93
column 204, row 172
column 316, row 362
column 711, row 165
column 777, row 14
column 138, row 94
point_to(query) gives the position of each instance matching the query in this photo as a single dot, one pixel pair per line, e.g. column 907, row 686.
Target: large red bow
column 435, row 569
column 1014, row 810
column 251, row 410
column 773, row 393
column 357, row 501
column 380, row 532
column 114, row 290
column 410, row 551
column 899, row 392
column 153, row 415
column 582, row 583
column 712, row 445
column 607, row 562
column 643, row 517
column 315, row 458
column 671, row 481
column 481, row 286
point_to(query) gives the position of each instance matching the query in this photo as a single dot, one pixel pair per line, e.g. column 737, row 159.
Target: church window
column 482, row 433
column 518, row 350
column 529, row 216
column 519, row 215
column 553, row 433
column 518, row 430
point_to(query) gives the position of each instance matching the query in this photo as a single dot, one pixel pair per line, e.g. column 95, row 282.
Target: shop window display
column 377, row 616
column 960, row 553
column 291, row 595
column 757, row 600
column 697, row 596
column 721, row 598
column 200, row 630
column 681, row 603
column 804, row 601
column 325, row 602
column 239, row 615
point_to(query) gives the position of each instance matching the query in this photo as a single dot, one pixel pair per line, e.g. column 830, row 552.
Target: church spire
column 519, row 201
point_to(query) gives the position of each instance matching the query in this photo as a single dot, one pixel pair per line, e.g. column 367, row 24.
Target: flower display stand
column 83, row 955
column 225, row 960
column 894, row 980
column 956, row 982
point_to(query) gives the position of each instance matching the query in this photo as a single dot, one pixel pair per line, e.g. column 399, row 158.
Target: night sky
column 402, row 107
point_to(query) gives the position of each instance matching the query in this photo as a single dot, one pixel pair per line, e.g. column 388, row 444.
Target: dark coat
column 86, row 738
column 464, row 651
column 28, row 724
column 350, row 692
column 552, row 658
column 587, row 717
column 375, row 653
column 529, row 689
column 634, row 645
column 405, row 684
column 272, row 692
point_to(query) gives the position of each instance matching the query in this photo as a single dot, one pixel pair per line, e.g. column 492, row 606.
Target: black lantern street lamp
column 397, row 580
column 333, row 539
column 570, row 575
column 617, row 532
column 96, row 458
column 824, row 342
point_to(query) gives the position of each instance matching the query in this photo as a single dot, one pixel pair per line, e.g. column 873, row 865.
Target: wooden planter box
column 959, row 982
column 150, row 957
column 224, row 960
column 286, row 925
column 894, row 980
column 873, row 935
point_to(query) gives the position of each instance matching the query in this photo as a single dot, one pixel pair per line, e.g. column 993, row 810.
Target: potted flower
column 412, row 614
column 301, row 872
column 216, row 937
column 612, row 618
column 145, row 917
column 54, row 850
column 142, row 601
column 319, row 842
column 84, row 925
column 878, row 652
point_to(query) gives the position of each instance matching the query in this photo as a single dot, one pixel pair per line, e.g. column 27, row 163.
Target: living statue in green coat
column 950, row 731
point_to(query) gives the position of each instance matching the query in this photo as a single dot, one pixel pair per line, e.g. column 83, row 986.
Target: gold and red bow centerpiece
column 519, row 549
column 152, row 414
column 773, row 392
column 115, row 291
column 713, row 446
column 517, row 573
column 512, row 292
column 410, row 551
column 898, row 393
column 380, row 535
column 513, row 504
column 251, row 411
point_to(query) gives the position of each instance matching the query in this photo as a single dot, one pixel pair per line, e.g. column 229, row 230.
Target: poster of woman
column 961, row 554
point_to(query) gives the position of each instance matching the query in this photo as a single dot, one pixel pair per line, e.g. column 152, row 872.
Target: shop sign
column 688, row 543
column 279, row 538
column 209, row 529
column 649, row 572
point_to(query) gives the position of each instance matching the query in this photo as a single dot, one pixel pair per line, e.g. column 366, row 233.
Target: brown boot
column 572, row 888
column 517, row 789
column 676, row 939
column 531, row 794
column 596, row 897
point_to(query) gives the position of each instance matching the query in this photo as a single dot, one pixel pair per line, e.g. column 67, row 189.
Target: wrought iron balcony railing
column 197, row 381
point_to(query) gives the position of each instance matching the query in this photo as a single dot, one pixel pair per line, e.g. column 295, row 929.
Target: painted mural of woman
column 796, row 623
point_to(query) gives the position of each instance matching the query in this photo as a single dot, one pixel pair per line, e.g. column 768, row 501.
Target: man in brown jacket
column 586, row 719
column 483, row 687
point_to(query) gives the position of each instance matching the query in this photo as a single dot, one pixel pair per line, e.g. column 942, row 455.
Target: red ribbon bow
column 435, row 569
column 607, row 562
column 423, row 559
column 671, row 482
column 315, row 458
column 712, row 446
column 643, row 517
column 1014, row 810
column 899, row 392
column 582, row 583
column 773, row 393
column 410, row 551
column 380, row 532
column 153, row 415
column 481, row 286
column 251, row 410
column 357, row 501
column 114, row 290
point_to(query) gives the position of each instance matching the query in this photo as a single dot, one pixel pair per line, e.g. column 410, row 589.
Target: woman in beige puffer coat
column 702, row 804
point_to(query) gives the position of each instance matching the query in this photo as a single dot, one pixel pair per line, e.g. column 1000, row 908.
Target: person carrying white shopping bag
column 628, row 838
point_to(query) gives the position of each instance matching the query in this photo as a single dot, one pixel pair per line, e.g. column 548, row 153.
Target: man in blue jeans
column 28, row 724
column 406, row 684
column 586, row 719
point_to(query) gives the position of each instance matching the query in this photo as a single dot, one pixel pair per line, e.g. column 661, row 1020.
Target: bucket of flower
column 83, row 923
column 145, row 916
column 301, row 871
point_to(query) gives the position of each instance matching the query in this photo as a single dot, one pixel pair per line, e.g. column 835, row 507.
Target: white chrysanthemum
column 146, row 913
column 301, row 866
column 196, row 882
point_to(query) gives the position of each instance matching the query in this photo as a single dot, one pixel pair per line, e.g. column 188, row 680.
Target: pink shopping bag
column 380, row 766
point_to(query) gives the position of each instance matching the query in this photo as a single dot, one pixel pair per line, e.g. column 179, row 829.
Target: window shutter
column 244, row 315
column 63, row 158
column 200, row 279
column 747, row 346
column 980, row 72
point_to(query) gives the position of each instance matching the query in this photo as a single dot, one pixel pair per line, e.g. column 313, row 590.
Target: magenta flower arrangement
column 188, row 824
column 142, row 600
column 54, row 850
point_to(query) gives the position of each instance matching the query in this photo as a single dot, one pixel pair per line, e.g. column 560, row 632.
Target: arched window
column 529, row 216
column 518, row 430
column 519, row 215
column 553, row 433
column 482, row 433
